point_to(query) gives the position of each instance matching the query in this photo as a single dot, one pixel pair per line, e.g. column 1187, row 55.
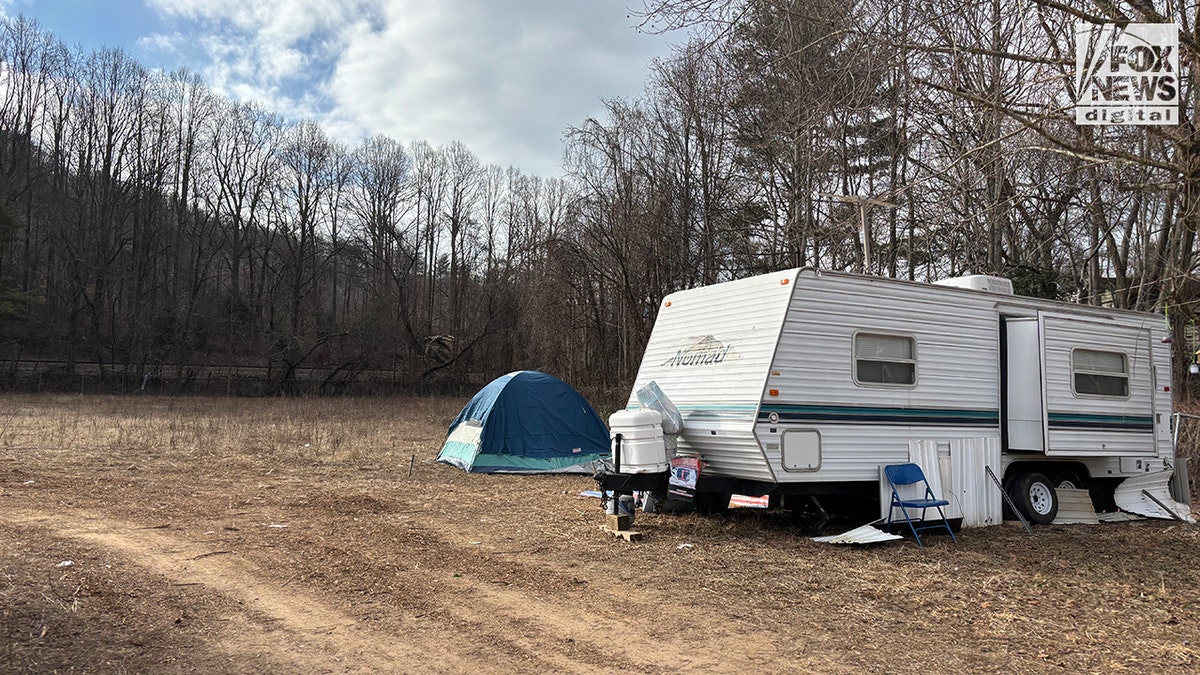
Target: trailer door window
column 885, row 359
column 1098, row 373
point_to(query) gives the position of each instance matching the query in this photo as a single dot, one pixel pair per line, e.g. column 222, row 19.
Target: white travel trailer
column 805, row 382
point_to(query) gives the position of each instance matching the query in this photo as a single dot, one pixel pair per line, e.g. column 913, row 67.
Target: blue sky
column 506, row 77
column 93, row 24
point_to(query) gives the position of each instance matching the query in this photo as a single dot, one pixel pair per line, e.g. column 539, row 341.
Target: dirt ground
column 304, row 536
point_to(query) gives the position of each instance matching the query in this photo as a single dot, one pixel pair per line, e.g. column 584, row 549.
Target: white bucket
column 642, row 446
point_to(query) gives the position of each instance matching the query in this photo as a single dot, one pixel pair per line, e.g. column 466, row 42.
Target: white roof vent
column 979, row 282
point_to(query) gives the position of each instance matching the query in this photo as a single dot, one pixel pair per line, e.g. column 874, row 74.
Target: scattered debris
column 1150, row 495
column 64, row 564
column 859, row 535
column 1117, row 517
column 1075, row 507
column 276, row 526
column 685, row 547
column 742, row 501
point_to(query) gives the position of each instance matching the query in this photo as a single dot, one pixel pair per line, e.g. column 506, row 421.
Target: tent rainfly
column 526, row 422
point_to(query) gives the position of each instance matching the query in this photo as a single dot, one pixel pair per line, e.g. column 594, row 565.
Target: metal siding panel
column 1075, row 506
column 934, row 459
column 977, row 495
column 859, row 535
column 955, row 471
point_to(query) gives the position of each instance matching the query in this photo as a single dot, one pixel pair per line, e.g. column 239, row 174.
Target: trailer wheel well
column 1068, row 479
column 1104, row 493
column 1101, row 489
column 1033, row 486
column 1052, row 470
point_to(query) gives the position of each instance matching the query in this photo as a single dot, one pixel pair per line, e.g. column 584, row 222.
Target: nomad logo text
column 704, row 351
column 1127, row 75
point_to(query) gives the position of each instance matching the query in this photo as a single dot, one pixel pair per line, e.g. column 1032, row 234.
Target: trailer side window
column 1098, row 373
column 885, row 359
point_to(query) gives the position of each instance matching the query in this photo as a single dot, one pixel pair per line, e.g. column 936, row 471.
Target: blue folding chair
column 908, row 474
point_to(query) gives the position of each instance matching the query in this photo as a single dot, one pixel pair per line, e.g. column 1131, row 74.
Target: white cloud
column 506, row 78
column 267, row 41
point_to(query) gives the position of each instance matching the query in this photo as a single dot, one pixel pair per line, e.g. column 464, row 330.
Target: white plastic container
column 642, row 446
column 652, row 397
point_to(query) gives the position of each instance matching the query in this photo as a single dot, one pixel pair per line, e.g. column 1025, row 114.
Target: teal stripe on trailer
column 723, row 407
column 716, row 407
column 716, row 411
column 1101, row 422
column 880, row 415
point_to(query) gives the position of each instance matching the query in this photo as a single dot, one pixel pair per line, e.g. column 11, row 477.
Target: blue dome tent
column 526, row 422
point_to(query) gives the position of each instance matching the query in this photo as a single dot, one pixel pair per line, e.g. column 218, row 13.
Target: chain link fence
column 94, row 378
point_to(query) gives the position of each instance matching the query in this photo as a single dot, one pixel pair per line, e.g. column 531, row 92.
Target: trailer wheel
column 1034, row 495
column 1069, row 480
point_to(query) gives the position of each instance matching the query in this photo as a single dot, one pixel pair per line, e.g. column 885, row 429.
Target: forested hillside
column 153, row 227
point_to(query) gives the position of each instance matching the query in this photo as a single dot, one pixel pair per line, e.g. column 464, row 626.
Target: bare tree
column 381, row 186
column 430, row 180
column 33, row 66
column 242, row 164
column 463, row 181
column 306, row 161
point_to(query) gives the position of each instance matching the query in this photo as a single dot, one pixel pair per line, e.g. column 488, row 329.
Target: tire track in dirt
column 612, row 625
column 570, row 624
column 616, row 630
column 314, row 636
column 477, row 625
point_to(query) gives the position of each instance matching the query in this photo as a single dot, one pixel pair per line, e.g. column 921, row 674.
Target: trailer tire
column 1034, row 496
column 1006, row 510
column 1069, row 480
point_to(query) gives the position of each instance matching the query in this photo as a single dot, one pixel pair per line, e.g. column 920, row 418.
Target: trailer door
column 1023, row 380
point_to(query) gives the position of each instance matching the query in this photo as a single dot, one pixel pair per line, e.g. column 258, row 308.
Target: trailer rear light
column 783, row 282
column 773, row 392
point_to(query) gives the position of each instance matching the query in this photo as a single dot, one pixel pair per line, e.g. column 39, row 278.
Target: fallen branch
column 205, row 555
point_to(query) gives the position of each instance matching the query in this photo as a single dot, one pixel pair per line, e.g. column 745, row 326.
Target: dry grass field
column 318, row 535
